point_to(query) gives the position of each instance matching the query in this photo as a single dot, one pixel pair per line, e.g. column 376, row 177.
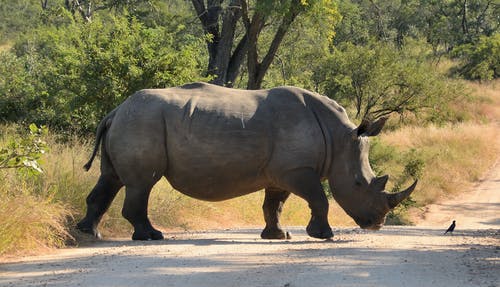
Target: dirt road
column 394, row 256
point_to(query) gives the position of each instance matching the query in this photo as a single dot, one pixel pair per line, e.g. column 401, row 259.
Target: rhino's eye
column 357, row 180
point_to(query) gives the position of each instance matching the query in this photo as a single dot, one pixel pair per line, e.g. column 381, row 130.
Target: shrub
column 481, row 60
column 25, row 152
column 69, row 77
column 16, row 87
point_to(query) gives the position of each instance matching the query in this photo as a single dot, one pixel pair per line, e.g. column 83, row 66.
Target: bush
column 69, row 77
column 16, row 88
column 382, row 155
column 481, row 60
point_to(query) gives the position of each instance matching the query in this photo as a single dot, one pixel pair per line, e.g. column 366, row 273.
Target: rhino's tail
column 101, row 130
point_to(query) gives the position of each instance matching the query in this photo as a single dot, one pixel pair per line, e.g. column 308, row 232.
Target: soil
column 418, row 255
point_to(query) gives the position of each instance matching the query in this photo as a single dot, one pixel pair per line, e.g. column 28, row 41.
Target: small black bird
column 451, row 228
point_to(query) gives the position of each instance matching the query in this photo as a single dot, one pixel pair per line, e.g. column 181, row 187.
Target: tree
column 480, row 61
column 444, row 24
column 455, row 22
column 376, row 80
column 233, row 30
column 17, row 17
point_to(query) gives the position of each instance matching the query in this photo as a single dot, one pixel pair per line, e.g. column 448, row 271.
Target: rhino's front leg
column 272, row 207
column 306, row 184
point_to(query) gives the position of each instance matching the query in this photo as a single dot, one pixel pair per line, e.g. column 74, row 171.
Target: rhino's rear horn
column 378, row 183
column 395, row 198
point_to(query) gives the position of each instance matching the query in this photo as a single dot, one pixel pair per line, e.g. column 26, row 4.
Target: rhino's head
column 354, row 185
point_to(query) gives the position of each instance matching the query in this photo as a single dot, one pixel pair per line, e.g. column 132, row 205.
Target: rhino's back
column 221, row 142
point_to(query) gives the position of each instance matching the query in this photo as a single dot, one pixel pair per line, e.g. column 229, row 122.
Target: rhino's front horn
column 395, row 198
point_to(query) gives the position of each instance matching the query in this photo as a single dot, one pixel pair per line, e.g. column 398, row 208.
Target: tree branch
column 294, row 11
column 253, row 57
column 44, row 4
column 201, row 11
column 258, row 70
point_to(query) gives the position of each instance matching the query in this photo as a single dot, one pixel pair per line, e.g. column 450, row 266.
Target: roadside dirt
column 394, row 256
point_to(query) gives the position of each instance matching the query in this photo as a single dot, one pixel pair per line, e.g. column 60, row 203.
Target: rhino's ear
column 369, row 128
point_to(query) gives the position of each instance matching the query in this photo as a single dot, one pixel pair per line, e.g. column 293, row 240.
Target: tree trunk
column 223, row 57
column 465, row 29
column 233, row 69
column 219, row 24
column 253, row 64
column 84, row 8
column 209, row 18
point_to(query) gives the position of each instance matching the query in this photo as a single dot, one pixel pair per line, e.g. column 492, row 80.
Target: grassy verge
column 454, row 156
column 31, row 214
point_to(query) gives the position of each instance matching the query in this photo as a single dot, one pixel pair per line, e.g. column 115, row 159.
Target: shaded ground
column 394, row 256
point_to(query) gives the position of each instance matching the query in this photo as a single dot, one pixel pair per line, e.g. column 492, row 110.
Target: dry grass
column 5, row 47
column 31, row 223
column 454, row 156
column 487, row 99
column 36, row 210
column 482, row 105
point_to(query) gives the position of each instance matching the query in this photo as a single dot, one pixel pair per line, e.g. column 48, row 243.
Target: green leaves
column 25, row 152
column 376, row 80
column 69, row 77
column 480, row 61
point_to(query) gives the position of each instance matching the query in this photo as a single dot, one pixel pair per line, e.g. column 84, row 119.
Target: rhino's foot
column 269, row 233
column 147, row 235
column 324, row 232
column 89, row 228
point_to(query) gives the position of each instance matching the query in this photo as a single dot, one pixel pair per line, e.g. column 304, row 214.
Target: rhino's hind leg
column 306, row 184
column 272, row 207
column 98, row 202
column 135, row 210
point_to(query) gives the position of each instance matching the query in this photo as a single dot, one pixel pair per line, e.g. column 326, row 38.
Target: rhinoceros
column 215, row 143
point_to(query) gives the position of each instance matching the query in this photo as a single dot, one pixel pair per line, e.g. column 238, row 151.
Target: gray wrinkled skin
column 215, row 143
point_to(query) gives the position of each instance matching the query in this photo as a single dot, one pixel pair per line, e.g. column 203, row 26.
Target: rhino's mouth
column 369, row 224
column 373, row 226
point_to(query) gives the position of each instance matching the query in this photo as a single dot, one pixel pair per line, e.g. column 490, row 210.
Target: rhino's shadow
column 230, row 237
